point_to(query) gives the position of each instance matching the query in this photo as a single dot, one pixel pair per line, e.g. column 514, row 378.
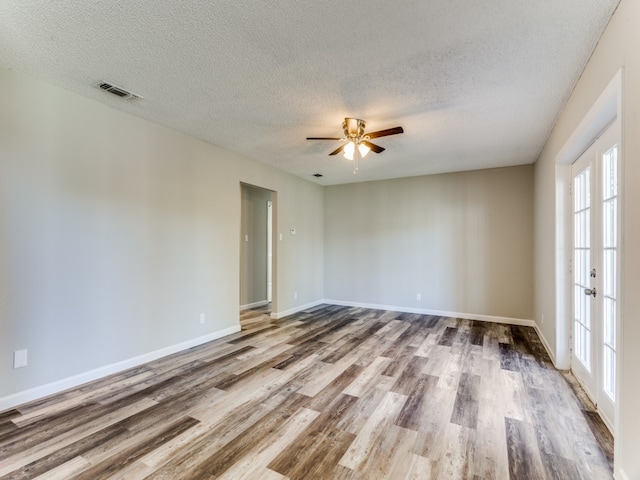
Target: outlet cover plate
column 20, row 358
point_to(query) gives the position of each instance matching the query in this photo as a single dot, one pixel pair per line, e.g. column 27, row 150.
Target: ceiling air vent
column 119, row 91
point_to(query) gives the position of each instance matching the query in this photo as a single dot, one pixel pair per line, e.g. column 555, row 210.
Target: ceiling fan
column 357, row 142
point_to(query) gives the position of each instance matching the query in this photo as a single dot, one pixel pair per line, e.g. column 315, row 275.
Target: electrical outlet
column 542, row 319
column 246, row 238
column 419, row 296
column 20, row 358
column 202, row 318
column 295, row 295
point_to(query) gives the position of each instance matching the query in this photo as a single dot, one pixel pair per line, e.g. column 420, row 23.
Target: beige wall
column 117, row 233
column 464, row 241
column 618, row 48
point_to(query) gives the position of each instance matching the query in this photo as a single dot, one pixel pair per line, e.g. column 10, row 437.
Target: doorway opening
column 257, row 272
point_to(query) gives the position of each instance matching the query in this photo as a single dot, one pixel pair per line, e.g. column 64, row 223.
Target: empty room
column 319, row 240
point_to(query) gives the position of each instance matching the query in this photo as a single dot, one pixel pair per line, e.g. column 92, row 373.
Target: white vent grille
column 119, row 91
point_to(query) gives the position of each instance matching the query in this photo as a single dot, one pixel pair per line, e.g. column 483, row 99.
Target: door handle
column 590, row 291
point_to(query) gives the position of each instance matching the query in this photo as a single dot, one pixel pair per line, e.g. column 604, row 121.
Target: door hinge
column 570, row 189
column 570, row 266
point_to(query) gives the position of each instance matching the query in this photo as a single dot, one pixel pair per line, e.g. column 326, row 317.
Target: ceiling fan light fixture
column 363, row 149
column 349, row 150
column 358, row 142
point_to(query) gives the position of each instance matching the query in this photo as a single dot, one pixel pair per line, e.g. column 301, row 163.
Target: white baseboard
column 621, row 475
column 546, row 345
column 261, row 303
column 300, row 308
column 19, row 398
column 440, row 313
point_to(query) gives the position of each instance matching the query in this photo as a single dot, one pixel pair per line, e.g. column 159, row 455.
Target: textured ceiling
column 474, row 83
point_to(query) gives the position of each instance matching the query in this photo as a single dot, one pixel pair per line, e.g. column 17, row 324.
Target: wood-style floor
column 333, row 393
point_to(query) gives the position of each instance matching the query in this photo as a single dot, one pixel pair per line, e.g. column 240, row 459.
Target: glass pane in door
column 609, row 270
column 582, row 267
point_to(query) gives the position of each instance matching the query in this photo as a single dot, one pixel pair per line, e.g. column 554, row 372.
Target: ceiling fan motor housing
column 353, row 127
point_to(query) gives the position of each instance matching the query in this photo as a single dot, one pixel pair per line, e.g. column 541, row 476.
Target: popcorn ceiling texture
column 475, row 84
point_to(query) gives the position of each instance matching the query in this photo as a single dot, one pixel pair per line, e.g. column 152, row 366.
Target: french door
column 595, row 265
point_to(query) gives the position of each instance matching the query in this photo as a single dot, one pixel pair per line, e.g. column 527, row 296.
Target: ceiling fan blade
column 373, row 147
column 385, row 133
column 337, row 150
column 323, row 138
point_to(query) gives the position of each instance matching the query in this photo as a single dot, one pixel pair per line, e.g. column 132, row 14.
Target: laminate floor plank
column 67, row 454
column 371, row 432
column 426, row 346
column 411, row 337
column 490, row 456
column 351, row 342
column 416, row 468
column 134, row 471
column 330, row 372
column 333, row 392
column 410, row 375
column 366, row 405
column 329, row 392
column 64, row 471
column 319, row 448
column 188, row 454
column 212, row 432
column 17, row 458
column 393, row 330
column 437, row 360
column 431, row 439
column 82, row 399
column 450, row 376
column 369, row 376
column 388, row 454
column 262, row 431
column 254, row 463
column 128, row 453
column 371, row 349
column 525, row 461
column 417, row 406
column 71, row 394
column 514, row 396
column 446, row 339
column 548, row 428
column 465, row 408
column 460, row 462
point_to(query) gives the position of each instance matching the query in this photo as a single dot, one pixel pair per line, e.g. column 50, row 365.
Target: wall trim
column 58, row 386
column 300, row 308
column 546, row 346
column 621, row 475
column 441, row 313
column 261, row 303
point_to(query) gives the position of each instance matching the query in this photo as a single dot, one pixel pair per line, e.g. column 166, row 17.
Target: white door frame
column 269, row 251
column 273, row 260
column 595, row 274
column 606, row 111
